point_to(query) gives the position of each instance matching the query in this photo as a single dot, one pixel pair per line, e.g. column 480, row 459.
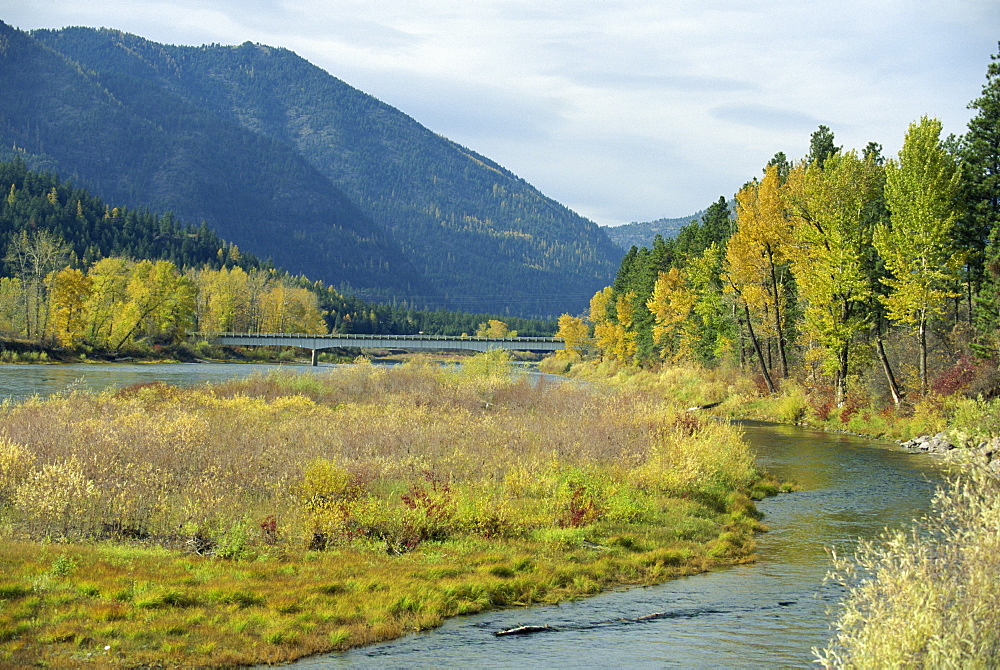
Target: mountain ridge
column 428, row 218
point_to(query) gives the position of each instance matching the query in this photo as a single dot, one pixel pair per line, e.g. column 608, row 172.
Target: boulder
column 930, row 444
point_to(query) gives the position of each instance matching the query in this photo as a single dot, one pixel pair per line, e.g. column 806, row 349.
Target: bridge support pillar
column 315, row 357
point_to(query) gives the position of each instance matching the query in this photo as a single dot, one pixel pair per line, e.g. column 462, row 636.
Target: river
column 767, row 614
column 20, row 381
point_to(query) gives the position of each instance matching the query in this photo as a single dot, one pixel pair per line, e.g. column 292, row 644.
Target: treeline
column 827, row 260
column 79, row 271
column 93, row 229
column 114, row 303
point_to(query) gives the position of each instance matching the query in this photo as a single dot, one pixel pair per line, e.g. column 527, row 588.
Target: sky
column 622, row 110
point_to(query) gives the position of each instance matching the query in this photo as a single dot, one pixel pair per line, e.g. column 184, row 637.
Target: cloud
column 764, row 116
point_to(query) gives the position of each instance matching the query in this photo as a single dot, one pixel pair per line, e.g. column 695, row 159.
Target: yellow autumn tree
column 224, row 298
column 671, row 304
column 160, row 301
column 495, row 328
column 69, row 293
column 757, row 261
column 287, row 309
column 574, row 332
column 614, row 338
column 609, row 336
column 109, row 279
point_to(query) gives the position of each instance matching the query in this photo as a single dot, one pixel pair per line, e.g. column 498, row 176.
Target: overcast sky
column 623, row 110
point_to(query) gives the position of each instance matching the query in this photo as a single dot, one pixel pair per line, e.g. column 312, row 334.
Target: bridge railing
column 379, row 336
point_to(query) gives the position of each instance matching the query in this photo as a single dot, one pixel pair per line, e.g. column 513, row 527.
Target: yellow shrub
column 15, row 464
column 57, row 498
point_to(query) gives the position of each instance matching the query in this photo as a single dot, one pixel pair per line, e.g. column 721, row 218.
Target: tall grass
column 358, row 452
column 263, row 519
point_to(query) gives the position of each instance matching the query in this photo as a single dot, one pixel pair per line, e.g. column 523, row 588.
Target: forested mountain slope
column 92, row 229
column 642, row 234
column 291, row 163
column 139, row 144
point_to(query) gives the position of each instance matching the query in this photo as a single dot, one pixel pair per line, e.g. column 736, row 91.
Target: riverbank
column 267, row 519
column 967, row 422
column 15, row 351
column 920, row 596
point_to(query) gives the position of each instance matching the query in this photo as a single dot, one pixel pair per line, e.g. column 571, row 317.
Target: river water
column 767, row 614
column 20, row 381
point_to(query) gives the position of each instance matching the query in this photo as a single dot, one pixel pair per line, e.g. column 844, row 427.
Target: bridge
column 317, row 343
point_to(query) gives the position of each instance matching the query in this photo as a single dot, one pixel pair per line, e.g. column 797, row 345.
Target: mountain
column 140, row 146
column 292, row 164
column 642, row 234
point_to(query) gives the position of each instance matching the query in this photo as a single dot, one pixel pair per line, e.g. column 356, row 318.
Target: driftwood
column 524, row 630
column 708, row 406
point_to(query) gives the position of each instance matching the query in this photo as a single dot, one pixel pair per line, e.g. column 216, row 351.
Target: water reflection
column 18, row 382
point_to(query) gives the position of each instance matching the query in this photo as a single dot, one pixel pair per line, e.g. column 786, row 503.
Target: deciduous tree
column 574, row 332
column 69, row 293
column 834, row 209
column 918, row 246
column 757, row 257
column 671, row 304
column 31, row 257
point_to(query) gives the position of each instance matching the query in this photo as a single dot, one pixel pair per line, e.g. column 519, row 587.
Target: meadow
column 265, row 519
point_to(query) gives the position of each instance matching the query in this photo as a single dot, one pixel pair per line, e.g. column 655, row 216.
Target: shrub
column 958, row 377
column 793, row 404
column 16, row 463
column 925, row 597
column 57, row 498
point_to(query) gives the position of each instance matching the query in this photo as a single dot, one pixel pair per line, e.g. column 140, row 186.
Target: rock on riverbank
column 946, row 441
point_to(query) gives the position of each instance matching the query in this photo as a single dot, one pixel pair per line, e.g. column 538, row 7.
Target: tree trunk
column 840, row 380
column 777, row 318
column 922, row 337
column 760, row 354
column 897, row 397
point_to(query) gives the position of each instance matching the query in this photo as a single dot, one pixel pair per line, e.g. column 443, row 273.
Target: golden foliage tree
column 671, row 304
column 287, row 309
column 69, row 294
column 495, row 328
column 574, row 332
column 109, row 283
column 158, row 300
column 757, row 260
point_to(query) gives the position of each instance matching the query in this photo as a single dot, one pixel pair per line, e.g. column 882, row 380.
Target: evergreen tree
column 987, row 343
column 821, row 146
column 980, row 154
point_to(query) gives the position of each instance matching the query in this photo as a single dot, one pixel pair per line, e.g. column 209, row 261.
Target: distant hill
column 641, row 234
column 294, row 165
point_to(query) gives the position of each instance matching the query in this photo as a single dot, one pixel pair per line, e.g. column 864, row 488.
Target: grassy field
column 265, row 519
